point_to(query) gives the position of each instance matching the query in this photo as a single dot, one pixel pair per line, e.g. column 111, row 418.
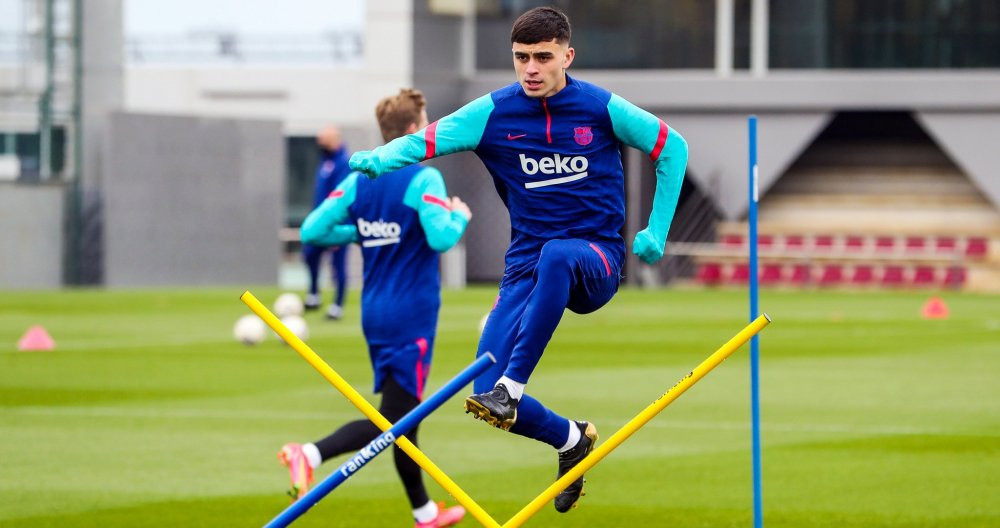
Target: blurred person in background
column 332, row 170
column 552, row 144
column 403, row 221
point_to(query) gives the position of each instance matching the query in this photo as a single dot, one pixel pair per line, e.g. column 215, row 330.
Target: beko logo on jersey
column 554, row 165
column 380, row 232
column 574, row 166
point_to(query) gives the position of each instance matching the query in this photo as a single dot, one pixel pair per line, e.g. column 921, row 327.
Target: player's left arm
column 325, row 225
column 442, row 226
column 667, row 149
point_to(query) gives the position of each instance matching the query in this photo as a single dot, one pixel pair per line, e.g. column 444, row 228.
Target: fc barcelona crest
column 583, row 135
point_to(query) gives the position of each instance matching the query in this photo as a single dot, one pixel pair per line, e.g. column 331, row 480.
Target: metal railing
column 213, row 48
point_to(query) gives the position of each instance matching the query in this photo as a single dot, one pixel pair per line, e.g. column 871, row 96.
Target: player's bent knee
column 555, row 256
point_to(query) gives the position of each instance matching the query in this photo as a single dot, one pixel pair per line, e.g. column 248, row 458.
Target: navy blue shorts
column 407, row 363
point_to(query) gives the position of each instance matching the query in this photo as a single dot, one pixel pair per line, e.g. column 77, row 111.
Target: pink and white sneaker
column 446, row 517
column 299, row 470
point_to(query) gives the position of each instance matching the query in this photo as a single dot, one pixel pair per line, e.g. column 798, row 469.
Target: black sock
column 350, row 438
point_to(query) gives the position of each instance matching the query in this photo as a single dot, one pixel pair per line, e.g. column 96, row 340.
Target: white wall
column 303, row 98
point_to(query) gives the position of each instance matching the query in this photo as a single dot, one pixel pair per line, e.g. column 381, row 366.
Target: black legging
column 350, row 438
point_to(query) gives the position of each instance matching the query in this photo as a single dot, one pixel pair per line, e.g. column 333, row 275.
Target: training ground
column 149, row 414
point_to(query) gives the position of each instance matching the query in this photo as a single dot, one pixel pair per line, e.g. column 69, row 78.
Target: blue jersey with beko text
column 402, row 222
column 402, row 284
column 556, row 163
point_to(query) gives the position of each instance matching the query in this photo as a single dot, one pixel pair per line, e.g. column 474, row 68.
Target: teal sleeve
column 340, row 235
column 669, row 152
column 456, row 132
column 442, row 226
column 325, row 225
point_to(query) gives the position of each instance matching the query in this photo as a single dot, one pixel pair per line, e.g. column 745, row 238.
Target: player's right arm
column 325, row 225
column 456, row 132
column 443, row 219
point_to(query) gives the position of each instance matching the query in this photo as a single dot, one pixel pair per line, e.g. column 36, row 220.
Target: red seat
column 832, row 274
column 975, row 247
column 945, row 244
column 771, row 273
column 709, row 273
column 732, row 240
column 924, row 275
column 741, row 273
column 794, row 242
column 863, row 274
column 801, row 274
column 823, row 242
column 915, row 244
column 854, row 243
column 954, row 277
column 892, row 276
column 765, row 242
column 885, row 243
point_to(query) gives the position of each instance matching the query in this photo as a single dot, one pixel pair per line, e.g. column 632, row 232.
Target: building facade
column 847, row 88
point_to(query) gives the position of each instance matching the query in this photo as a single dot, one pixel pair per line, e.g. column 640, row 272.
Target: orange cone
column 36, row 338
column 935, row 308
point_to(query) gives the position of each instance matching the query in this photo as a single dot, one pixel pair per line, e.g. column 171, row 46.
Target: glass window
column 884, row 34
column 302, row 160
column 27, row 147
column 609, row 33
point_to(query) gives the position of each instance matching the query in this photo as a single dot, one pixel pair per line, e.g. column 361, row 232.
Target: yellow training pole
column 366, row 408
column 640, row 420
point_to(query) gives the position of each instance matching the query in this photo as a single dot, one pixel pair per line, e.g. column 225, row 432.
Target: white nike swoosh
column 379, row 242
column 555, row 181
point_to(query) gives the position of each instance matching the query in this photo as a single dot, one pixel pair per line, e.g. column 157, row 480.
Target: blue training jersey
column 402, row 221
column 402, row 282
column 557, row 166
column 556, row 163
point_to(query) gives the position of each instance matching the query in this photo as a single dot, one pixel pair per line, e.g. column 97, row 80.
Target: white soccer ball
column 288, row 304
column 249, row 330
column 297, row 325
column 482, row 322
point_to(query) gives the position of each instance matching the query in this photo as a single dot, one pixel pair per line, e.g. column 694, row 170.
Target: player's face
column 541, row 67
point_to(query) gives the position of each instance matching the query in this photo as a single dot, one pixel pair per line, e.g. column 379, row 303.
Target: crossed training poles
column 395, row 433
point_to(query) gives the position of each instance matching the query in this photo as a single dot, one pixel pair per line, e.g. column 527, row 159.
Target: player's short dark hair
column 541, row 24
column 396, row 113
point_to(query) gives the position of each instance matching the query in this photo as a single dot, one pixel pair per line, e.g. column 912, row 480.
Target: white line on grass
column 834, row 428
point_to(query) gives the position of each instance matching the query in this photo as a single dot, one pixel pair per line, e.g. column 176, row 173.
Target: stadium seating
column 945, row 244
column 923, row 276
column 975, row 247
column 801, row 275
column 864, row 275
column 893, row 276
column 771, row 273
column 954, row 277
column 823, row 242
column 846, row 260
column 865, row 214
column 740, row 273
column 915, row 244
column 833, row 275
column 732, row 240
column 854, row 243
column 885, row 243
column 709, row 273
column 794, row 242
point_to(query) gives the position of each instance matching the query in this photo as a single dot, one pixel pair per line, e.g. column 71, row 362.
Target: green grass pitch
column 149, row 414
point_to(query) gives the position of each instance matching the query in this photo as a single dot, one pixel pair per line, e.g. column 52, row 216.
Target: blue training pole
column 382, row 441
column 758, row 501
